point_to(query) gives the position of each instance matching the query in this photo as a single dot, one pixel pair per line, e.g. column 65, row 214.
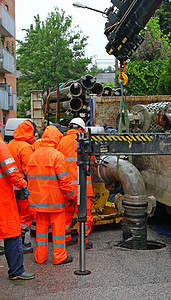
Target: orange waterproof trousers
column 57, row 221
column 26, row 216
column 69, row 212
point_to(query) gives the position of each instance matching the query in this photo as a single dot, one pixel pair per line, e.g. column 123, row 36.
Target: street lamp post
column 80, row 5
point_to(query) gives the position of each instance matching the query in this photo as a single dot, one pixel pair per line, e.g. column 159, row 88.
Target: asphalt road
column 116, row 273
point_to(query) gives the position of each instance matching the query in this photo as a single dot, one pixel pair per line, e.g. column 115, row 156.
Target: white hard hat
column 79, row 122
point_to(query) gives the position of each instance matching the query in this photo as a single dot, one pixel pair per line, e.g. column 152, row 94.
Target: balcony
column 7, row 23
column 7, row 63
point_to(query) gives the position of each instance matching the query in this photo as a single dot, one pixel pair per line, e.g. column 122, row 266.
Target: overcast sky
column 91, row 23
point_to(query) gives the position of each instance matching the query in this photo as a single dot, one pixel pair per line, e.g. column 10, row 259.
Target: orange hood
column 24, row 132
column 51, row 137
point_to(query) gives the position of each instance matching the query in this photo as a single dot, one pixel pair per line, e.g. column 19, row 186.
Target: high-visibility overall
column 9, row 175
column 21, row 150
column 50, row 133
column 49, row 183
column 68, row 146
column 10, row 229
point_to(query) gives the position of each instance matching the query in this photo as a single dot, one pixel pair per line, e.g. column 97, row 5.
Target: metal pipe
column 73, row 90
column 97, row 89
column 74, row 104
column 107, row 91
column 134, row 203
column 88, row 81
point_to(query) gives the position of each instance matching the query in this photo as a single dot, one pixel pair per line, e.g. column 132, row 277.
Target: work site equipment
column 125, row 20
column 154, row 117
column 73, row 97
column 135, row 204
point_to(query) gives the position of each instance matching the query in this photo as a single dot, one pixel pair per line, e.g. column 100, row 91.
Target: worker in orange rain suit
column 10, row 229
column 68, row 146
column 48, row 182
column 21, row 149
column 37, row 145
column 1, row 139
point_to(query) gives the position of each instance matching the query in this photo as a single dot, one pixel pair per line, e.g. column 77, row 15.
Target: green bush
column 164, row 83
column 143, row 77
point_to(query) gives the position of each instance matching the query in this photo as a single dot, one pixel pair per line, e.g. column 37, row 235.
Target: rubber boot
column 25, row 248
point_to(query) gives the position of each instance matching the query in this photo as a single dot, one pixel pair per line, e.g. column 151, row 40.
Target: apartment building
column 8, row 93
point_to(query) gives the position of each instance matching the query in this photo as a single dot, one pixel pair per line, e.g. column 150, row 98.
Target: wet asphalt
column 116, row 272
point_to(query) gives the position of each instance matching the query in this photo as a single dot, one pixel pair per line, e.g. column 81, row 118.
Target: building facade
column 8, row 93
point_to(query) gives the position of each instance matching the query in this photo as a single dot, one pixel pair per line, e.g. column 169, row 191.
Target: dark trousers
column 14, row 255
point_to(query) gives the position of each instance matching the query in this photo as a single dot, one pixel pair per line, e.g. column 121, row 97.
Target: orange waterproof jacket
column 68, row 146
column 48, row 178
column 50, row 133
column 9, row 175
column 20, row 147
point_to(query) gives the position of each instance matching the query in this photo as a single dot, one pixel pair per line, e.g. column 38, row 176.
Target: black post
column 82, row 202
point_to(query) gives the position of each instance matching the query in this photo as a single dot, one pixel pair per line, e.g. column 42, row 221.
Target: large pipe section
column 97, row 89
column 73, row 90
column 74, row 104
column 135, row 203
column 88, row 81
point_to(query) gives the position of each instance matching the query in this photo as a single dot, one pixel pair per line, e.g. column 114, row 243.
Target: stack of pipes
column 74, row 96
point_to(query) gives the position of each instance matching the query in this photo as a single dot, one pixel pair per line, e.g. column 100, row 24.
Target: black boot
column 26, row 245
column 27, row 250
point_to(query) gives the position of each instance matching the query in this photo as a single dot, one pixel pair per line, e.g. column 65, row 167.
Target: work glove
column 70, row 202
column 24, row 193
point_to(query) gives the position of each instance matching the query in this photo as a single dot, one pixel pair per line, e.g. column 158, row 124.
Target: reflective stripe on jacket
column 48, row 180
column 9, row 175
column 68, row 146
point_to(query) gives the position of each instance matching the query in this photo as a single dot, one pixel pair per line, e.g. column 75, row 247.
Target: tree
column 164, row 14
column 149, row 62
column 164, row 83
column 155, row 45
column 52, row 52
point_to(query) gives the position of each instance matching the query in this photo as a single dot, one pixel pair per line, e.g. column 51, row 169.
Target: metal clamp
column 119, row 198
column 151, row 200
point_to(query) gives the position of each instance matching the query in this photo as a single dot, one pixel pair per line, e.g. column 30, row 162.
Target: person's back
column 48, row 183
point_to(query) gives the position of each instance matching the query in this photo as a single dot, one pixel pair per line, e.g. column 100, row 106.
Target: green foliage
column 164, row 14
column 155, row 45
column 164, row 83
column 143, row 77
column 111, row 84
column 52, row 52
column 147, row 68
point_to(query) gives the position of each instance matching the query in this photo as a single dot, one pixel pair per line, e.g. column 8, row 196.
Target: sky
column 91, row 23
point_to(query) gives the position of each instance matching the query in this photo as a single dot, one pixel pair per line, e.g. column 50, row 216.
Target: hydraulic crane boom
column 126, row 18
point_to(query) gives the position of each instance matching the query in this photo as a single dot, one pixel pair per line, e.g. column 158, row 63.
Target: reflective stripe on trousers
column 57, row 221
column 69, row 212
